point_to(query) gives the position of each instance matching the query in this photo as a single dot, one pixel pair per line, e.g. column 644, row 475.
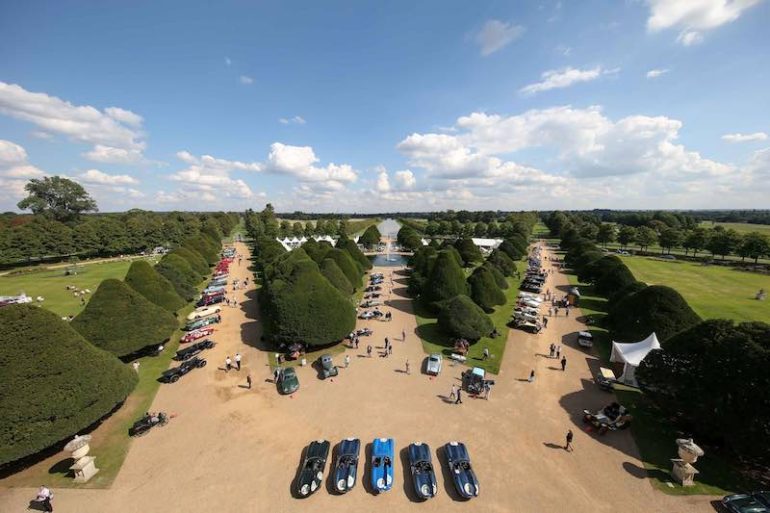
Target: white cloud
column 383, row 181
column 112, row 127
column 693, row 17
column 565, row 77
column 111, row 155
column 246, row 80
column 655, row 73
column 736, row 138
column 94, row 176
column 208, row 178
column 15, row 171
column 299, row 161
column 11, row 153
column 405, row 179
column 496, row 35
column 296, row 120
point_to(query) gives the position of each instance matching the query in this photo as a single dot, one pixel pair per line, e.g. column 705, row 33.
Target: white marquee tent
column 630, row 355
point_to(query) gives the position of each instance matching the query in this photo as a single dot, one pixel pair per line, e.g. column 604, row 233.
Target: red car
column 196, row 334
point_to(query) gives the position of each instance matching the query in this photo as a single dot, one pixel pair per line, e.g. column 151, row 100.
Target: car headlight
column 304, row 490
column 424, row 490
column 341, row 484
column 380, row 483
column 313, row 486
column 467, row 488
column 351, row 481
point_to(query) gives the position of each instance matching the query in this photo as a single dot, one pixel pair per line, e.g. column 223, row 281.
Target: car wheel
column 202, row 363
column 174, row 378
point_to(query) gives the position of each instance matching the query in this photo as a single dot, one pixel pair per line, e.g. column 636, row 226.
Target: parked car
column 382, row 464
column 606, row 379
column 148, row 421
column 743, row 503
column 193, row 349
column 610, row 418
column 200, row 313
column 668, row 257
column 210, row 300
column 213, row 289
column 202, row 323
column 370, row 314
column 423, row 475
column 328, row 369
column 288, row 382
column 459, row 462
column 763, row 497
column 192, row 336
column 173, row 375
column 433, row 365
column 370, row 303
column 346, row 466
column 524, row 316
column 585, row 339
column 311, row 473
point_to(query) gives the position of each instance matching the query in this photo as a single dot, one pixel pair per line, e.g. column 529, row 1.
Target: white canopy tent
column 630, row 355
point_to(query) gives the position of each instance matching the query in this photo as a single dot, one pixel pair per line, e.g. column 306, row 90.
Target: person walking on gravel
column 407, row 366
column 459, row 399
column 563, row 363
column 347, row 361
column 568, row 445
column 228, row 364
column 453, row 393
column 238, row 361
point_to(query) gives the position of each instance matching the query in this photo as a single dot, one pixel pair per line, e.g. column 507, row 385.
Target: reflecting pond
column 383, row 260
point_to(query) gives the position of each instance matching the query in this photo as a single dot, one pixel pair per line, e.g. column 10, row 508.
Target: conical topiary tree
column 344, row 261
column 204, row 246
column 657, row 308
column 121, row 321
column 446, row 280
column 461, row 317
column 511, row 250
column 484, row 289
column 355, row 253
column 153, row 286
column 502, row 262
column 469, row 252
column 371, row 237
column 54, row 383
column 178, row 271
column 195, row 259
column 336, row 277
column 496, row 274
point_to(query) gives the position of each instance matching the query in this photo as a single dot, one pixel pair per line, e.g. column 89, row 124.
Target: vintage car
column 370, row 314
column 433, row 364
column 459, row 463
column 213, row 299
column 744, row 503
column 528, row 302
column 524, row 316
column 611, row 417
column 200, row 313
column 328, row 369
column 202, row 323
column 191, row 336
column 148, row 421
column 193, row 349
column 473, row 380
column 585, row 339
column 382, row 464
column 370, row 303
column 346, row 466
column 311, row 474
column 421, row 466
column 173, row 375
column 372, row 288
column 288, row 382
column 532, row 327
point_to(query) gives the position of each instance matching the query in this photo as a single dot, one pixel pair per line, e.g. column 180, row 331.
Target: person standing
column 407, row 366
column 453, row 392
column 276, row 374
column 566, row 311
column 347, row 361
column 228, row 363
column 44, row 497
column 387, row 343
column 135, row 365
column 545, row 321
column 551, row 350
column 357, row 341
column 568, row 445
column 390, row 350
column 531, row 376
column 485, row 354
column 248, row 381
column 487, row 389
column 369, row 350
column 558, row 351
column 563, row 363
column 459, row 399
column 403, row 335
column 238, row 361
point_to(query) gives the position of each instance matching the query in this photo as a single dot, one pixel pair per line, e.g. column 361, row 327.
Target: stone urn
column 682, row 470
column 84, row 467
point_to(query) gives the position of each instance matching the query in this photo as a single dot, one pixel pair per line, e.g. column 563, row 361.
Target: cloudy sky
column 370, row 106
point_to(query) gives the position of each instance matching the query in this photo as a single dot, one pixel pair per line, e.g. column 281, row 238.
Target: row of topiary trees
column 709, row 376
column 306, row 293
column 59, row 378
column 439, row 282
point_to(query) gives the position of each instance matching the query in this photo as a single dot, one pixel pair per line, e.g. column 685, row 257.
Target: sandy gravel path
column 230, row 449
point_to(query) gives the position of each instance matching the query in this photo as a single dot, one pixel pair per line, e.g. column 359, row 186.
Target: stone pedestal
column 84, row 467
column 683, row 472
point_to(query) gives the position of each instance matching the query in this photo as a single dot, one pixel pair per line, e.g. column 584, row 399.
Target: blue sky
column 353, row 106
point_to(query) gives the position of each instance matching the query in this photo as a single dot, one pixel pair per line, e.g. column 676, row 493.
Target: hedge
column 352, row 249
column 446, row 280
column 54, row 383
column 461, row 317
column 469, row 252
column 178, row 271
column 143, row 278
column 497, row 274
column 484, row 289
column 204, row 246
column 657, row 308
column 195, row 259
column 345, row 262
column 121, row 321
column 336, row 277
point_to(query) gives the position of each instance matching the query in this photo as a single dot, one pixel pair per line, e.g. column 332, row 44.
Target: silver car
column 433, row 366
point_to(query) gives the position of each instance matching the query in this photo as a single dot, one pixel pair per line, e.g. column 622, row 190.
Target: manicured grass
column 653, row 433
column 680, row 253
column 712, row 291
column 51, row 284
column 435, row 341
column 739, row 227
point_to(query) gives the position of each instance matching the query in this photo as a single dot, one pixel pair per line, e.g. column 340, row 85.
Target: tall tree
column 696, row 240
column 754, row 245
column 606, row 234
column 645, row 236
column 56, row 197
column 670, row 238
column 626, row 236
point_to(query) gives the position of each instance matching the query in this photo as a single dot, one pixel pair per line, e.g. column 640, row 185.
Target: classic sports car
column 346, row 466
column 382, row 464
column 433, row 365
column 288, row 383
column 202, row 323
column 743, row 503
column 763, row 497
column 199, row 313
column 193, row 349
column 312, row 472
column 370, row 314
column 460, row 467
column 212, row 299
column 372, row 288
column 173, row 375
column 195, row 335
column 328, row 369
column 423, row 476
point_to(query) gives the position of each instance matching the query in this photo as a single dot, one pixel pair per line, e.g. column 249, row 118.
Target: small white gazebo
column 631, row 355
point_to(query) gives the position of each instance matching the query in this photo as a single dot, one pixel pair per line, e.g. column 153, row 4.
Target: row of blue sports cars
column 382, row 461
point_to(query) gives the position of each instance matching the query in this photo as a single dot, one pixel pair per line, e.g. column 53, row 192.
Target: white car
column 433, row 366
column 204, row 311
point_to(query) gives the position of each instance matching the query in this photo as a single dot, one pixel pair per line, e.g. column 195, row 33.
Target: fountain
column 689, row 452
column 84, row 466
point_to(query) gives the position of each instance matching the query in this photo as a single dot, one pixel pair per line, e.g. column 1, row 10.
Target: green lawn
column 434, row 341
column 51, row 284
column 712, row 291
column 739, row 227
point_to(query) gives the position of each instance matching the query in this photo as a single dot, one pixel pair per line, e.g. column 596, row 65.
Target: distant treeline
column 685, row 219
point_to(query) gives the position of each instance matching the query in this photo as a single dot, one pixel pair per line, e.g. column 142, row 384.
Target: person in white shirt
column 238, row 361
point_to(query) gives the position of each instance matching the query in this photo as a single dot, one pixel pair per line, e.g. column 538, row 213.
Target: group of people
column 229, row 364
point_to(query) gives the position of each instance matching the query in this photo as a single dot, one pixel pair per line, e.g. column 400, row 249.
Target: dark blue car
column 460, row 467
column 423, row 475
column 312, row 472
column 346, row 466
column 743, row 503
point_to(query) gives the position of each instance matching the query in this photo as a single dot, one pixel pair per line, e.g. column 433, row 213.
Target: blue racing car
column 460, row 467
column 382, row 464
column 423, row 475
column 346, row 466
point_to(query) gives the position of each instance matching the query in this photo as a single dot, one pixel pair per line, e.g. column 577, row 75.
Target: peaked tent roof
column 634, row 352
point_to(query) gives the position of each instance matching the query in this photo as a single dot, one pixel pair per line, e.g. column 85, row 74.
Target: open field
column 52, row 284
column 712, row 291
column 739, row 227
